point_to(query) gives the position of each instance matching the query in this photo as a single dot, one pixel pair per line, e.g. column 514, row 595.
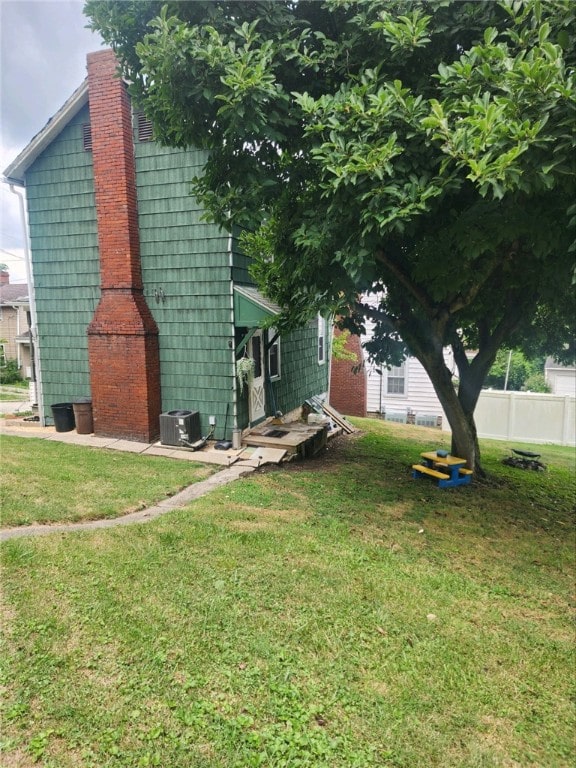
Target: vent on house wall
column 400, row 417
column 144, row 126
column 87, row 137
column 426, row 420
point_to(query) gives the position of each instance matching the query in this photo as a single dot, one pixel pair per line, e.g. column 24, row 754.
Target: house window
column 274, row 355
column 87, row 137
column 321, row 339
column 144, row 127
column 257, row 355
column 396, row 380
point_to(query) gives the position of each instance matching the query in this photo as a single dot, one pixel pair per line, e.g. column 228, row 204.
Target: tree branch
column 408, row 283
column 463, row 300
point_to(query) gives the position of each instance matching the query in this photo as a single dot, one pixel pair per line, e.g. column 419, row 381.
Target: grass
column 46, row 482
column 326, row 614
column 16, row 391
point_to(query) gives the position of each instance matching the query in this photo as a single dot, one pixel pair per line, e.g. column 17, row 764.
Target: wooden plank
column 421, row 469
column 444, row 460
column 265, row 456
column 338, row 418
column 464, row 471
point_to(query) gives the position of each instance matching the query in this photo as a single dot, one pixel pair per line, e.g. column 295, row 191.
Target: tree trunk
column 458, row 407
column 465, row 439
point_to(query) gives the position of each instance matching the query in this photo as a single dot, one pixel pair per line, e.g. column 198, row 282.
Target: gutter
column 32, row 300
column 233, row 328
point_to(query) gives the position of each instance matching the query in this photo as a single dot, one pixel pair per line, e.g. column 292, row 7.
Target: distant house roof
column 16, row 170
column 13, row 293
column 552, row 364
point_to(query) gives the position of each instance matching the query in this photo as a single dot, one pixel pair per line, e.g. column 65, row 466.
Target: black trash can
column 83, row 415
column 63, row 417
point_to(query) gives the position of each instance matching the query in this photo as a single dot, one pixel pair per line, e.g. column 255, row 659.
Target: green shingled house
column 140, row 304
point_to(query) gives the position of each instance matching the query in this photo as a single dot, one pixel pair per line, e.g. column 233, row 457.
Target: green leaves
column 404, row 32
column 424, row 147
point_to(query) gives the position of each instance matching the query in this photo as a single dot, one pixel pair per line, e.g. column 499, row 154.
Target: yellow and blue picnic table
column 450, row 471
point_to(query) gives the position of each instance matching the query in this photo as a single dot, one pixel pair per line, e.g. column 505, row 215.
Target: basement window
column 144, row 127
column 87, row 137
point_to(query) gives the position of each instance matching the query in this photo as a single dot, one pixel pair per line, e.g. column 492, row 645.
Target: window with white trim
column 274, row 354
column 396, row 380
column 321, row 340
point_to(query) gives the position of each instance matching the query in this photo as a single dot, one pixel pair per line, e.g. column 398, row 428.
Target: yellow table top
column 449, row 461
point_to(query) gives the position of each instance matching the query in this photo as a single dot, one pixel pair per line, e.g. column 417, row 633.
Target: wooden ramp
column 320, row 407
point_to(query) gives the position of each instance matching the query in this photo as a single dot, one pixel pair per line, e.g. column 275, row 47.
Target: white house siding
column 419, row 396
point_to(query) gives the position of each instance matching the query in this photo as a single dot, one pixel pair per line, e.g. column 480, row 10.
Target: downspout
column 233, row 335
column 32, row 299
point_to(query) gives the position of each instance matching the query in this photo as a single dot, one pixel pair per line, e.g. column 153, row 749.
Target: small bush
column 536, row 382
column 10, row 373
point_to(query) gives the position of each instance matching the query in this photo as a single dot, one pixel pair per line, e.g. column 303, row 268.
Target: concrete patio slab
column 130, row 446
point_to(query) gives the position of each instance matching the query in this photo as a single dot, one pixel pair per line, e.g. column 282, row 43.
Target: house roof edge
column 15, row 172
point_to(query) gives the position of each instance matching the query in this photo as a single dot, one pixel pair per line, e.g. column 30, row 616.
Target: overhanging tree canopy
column 424, row 149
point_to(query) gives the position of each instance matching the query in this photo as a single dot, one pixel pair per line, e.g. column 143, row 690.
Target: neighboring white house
column 560, row 378
column 404, row 393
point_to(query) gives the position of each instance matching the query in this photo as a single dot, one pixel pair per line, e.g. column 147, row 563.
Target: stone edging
column 180, row 499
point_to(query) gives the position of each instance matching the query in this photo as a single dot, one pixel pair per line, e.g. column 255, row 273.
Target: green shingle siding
column 183, row 252
column 187, row 259
column 63, row 232
column 153, row 158
column 201, row 274
column 301, row 374
column 241, row 262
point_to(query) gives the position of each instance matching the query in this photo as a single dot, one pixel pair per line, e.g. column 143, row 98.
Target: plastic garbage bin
column 63, row 414
column 83, row 416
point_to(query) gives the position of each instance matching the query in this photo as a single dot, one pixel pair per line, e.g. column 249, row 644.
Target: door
column 256, row 392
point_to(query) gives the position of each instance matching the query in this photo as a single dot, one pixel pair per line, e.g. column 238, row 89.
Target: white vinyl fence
column 525, row 416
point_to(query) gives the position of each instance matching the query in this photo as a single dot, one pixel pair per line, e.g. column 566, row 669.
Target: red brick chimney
column 348, row 389
column 123, row 336
column 4, row 277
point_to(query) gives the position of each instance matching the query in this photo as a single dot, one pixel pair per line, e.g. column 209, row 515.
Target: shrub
column 10, row 372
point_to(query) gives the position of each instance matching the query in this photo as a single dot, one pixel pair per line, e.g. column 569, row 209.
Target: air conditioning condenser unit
column 176, row 426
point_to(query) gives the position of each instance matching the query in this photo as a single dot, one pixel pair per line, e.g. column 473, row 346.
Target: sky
column 43, row 47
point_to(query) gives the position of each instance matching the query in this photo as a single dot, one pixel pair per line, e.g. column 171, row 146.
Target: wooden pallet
column 297, row 438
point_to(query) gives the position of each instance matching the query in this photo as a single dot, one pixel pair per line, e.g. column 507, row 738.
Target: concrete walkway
column 15, row 406
column 232, row 469
column 194, row 491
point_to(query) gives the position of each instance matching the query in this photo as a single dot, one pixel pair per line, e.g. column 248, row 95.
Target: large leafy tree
column 421, row 149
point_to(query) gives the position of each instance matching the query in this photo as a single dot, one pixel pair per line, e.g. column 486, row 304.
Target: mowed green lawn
column 333, row 613
column 42, row 481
